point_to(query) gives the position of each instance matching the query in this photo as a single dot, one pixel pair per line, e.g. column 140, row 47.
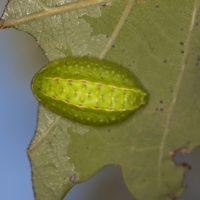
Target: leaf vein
column 50, row 11
column 177, row 89
column 44, row 134
column 118, row 27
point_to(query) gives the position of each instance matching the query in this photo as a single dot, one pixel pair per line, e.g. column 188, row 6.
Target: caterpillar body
column 88, row 90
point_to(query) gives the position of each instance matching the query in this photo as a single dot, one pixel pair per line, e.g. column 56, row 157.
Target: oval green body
column 88, row 90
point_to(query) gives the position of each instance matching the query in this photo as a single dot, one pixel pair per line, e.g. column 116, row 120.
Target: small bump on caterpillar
column 88, row 90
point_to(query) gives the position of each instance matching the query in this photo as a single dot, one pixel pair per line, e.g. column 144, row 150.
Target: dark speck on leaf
column 182, row 51
column 181, row 43
column 198, row 60
column 73, row 178
column 161, row 109
column 182, row 29
column 157, row 6
column 165, row 61
column 161, row 101
column 109, row 130
column 113, row 46
column 171, row 89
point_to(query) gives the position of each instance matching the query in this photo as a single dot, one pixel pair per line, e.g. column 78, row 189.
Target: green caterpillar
column 88, row 90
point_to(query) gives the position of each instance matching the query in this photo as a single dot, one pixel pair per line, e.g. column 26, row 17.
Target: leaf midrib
column 48, row 11
column 177, row 89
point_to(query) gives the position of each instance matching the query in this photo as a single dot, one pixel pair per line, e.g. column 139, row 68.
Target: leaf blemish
column 186, row 165
column 171, row 89
column 198, row 60
column 165, row 61
column 73, row 178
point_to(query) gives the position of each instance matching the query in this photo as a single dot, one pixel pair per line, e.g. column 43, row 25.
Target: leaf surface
column 159, row 42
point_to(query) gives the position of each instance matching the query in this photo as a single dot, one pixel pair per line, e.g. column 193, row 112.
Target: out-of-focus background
column 20, row 59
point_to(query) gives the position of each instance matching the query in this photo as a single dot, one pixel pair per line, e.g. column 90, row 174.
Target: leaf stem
column 50, row 11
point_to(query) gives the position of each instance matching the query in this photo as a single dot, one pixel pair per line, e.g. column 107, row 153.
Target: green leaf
column 156, row 40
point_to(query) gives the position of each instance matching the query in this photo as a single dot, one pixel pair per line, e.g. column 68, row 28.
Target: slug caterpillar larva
column 88, row 90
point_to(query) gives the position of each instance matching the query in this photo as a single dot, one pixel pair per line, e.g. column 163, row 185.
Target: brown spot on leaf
column 186, row 165
column 184, row 150
column 165, row 61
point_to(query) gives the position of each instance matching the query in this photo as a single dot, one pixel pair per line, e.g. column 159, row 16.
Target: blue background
column 20, row 59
